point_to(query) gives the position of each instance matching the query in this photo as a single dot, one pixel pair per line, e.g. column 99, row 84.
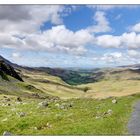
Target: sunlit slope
column 107, row 88
column 52, row 85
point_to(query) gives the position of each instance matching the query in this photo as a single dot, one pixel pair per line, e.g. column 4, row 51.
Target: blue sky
column 84, row 36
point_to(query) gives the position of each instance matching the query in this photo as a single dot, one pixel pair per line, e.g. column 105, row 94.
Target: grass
column 116, row 88
column 87, row 116
column 80, row 119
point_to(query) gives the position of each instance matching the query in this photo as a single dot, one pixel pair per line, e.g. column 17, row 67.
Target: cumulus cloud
column 102, row 23
column 126, row 40
column 108, row 41
column 59, row 38
column 28, row 19
column 135, row 28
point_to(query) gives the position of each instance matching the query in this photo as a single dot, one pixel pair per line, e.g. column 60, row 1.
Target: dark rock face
column 6, row 69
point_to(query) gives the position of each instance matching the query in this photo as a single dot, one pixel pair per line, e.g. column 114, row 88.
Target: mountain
column 6, row 68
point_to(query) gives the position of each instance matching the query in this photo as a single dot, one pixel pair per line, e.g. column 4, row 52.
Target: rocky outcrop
column 6, row 69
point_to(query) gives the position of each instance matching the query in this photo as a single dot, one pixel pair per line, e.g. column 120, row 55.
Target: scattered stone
column 44, row 104
column 22, row 114
column 109, row 112
column 36, row 95
column 49, row 125
column 114, row 101
column 62, row 107
column 6, row 133
column 19, row 99
column 97, row 117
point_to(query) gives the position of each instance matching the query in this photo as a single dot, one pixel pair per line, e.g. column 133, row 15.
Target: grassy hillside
column 83, row 117
column 110, row 88
column 52, row 85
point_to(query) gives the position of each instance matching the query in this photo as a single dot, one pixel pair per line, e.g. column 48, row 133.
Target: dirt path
column 134, row 122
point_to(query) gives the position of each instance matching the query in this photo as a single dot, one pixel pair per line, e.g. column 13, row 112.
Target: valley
column 46, row 101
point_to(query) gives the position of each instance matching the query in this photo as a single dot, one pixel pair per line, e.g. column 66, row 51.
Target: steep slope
column 6, row 69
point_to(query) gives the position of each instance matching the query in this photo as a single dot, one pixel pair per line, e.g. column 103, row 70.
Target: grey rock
column 109, row 112
column 97, row 117
column 6, row 133
column 114, row 101
column 43, row 104
column 22, row 114
column 62, row 107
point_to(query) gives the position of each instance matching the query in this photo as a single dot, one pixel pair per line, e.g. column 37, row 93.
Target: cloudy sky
column 69, row 35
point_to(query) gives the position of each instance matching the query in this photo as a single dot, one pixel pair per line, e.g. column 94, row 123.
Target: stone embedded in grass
column 62, row 107
column 65, row 105
column 49, row 125
column 114, row 101
column 6, row 133
column 97, row 117
column 109, row 112
column 22, row 114
column 44, row 104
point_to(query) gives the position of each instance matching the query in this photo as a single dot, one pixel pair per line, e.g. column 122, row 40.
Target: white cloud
column 135, row 28
column 28, row 19
column 59, row 38
column 108, row 41
column 126, row 40
column 133, row 53
column 112, row 57
column 102, row 23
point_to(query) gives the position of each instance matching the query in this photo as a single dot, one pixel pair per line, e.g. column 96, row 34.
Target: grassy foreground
column 84, row 117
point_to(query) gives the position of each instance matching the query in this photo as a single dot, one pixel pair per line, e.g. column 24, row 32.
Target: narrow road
column 134, row 122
